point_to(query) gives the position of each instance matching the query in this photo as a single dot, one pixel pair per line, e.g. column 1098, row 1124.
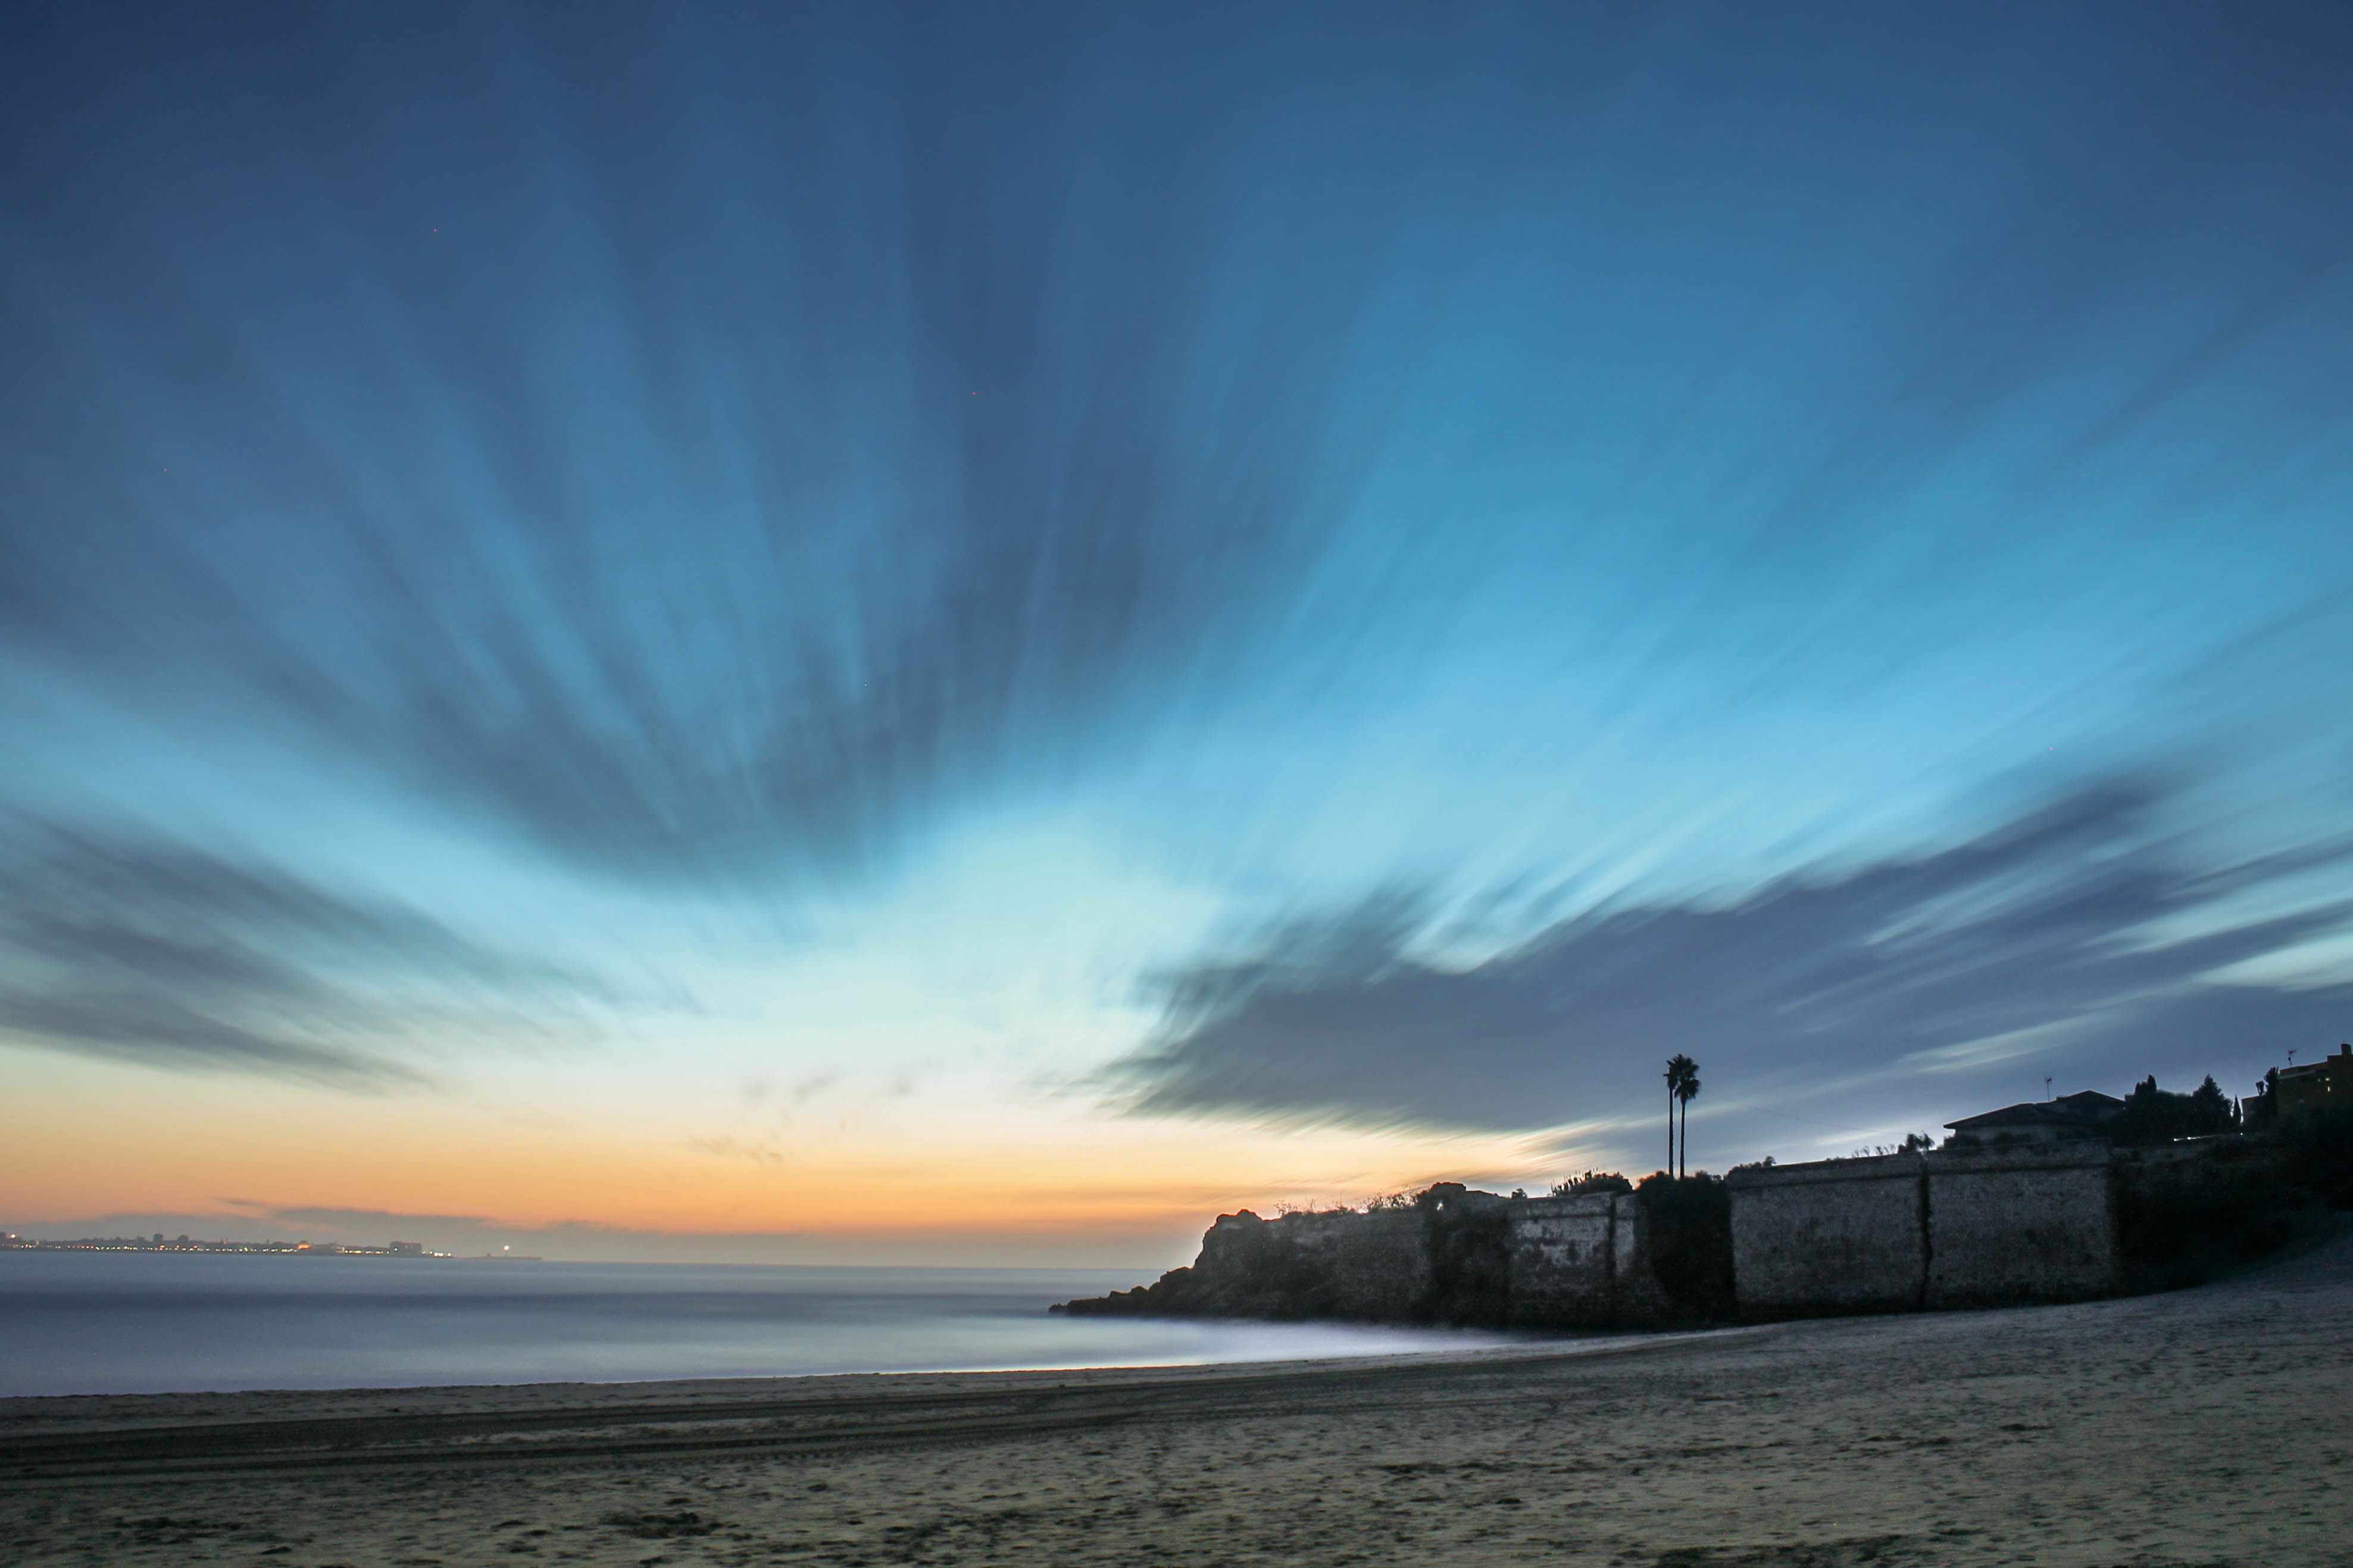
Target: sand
column 2213, row 1425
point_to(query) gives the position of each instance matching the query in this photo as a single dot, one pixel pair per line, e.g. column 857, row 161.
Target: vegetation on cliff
column 1445, row 1259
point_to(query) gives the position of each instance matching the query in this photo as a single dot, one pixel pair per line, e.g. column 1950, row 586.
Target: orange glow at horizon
column 237, row 1149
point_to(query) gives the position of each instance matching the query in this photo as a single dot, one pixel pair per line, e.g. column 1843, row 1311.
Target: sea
column 154, row 1322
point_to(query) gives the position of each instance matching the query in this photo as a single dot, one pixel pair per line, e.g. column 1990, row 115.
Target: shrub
column 1690, row 1241
column 2204, row 1210
column 2152, row 1115
column 2318, row 1151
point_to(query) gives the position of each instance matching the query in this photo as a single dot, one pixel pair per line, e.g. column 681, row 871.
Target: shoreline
column 2194, row 1427
column 399, row 1426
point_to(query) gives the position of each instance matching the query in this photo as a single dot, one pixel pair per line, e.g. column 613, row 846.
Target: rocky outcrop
column 1461, row 1257
column 1343, row 1265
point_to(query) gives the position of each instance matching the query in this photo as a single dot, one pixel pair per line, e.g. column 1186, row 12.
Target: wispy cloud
column 151, row 951
column 2077, row 923
column 879, row 507
column 723, row 465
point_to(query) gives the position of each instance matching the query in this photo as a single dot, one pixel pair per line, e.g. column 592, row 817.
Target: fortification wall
column 1896, row 1233
column 1591, row 1261
column 1977, row 1227
column 1562, row 1260
column 1378, row 1268
column 2013, row 1226
column 1830, row 1237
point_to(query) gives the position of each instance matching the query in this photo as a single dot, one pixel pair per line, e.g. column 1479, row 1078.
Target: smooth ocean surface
column 101, row 1322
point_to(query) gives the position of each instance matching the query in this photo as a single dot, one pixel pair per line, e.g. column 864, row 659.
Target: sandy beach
column 2202, row 1427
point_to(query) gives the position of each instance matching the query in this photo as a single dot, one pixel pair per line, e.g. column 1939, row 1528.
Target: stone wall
column 2006, row 1227
column 1592, row 1261
column 1830, row 1237
column 1563, row 1260
column 1975, row 1228
column 1978, row 1227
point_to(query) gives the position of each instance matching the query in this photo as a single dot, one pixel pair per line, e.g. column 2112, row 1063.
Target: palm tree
column 1687, row 1091
column 1680, row 1069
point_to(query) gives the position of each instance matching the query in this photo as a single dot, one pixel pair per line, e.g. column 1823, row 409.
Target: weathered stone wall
column 1975, row 1228
column 1830, row 1237
column 2010, row 1225
column 1379, row 1267
column 1562, row 1259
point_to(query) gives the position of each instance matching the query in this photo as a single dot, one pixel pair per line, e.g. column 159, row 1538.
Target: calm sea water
column 98, row 1322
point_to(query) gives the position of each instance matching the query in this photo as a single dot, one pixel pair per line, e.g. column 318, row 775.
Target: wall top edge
column 1867, row 1168
column 2073, row 1154
column 1938, row 1163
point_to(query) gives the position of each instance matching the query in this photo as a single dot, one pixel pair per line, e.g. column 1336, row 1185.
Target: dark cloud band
column 2079, row 922
column 144, row 951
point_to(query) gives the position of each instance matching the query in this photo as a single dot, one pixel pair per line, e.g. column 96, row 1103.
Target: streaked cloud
column 146, row 951
column 866, row 532
column 2076, row 936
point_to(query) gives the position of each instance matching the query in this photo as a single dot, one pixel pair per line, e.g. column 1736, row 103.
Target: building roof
column 2086, row 1109
column 2326, row 1067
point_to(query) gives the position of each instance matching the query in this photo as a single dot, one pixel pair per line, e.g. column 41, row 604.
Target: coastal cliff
column 1657, row 1257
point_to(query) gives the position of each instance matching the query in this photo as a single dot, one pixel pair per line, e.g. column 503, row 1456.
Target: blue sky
column 1290, row 599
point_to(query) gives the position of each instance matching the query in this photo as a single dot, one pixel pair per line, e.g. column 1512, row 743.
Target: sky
column 972, row 634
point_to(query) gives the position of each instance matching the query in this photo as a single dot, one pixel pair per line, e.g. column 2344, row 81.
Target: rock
column 1457, row 1258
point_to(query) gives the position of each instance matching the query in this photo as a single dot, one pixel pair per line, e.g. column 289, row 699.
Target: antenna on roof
column 2046, row 1088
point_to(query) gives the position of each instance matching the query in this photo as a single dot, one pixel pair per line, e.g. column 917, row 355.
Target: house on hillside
column 2323, row 1085
column 2083, row 1115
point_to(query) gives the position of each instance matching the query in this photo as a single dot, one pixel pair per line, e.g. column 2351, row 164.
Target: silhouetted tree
column 2210, row 1110
column 1687, row 1091
column 1680, row 1069
column 1691, row 1242
column 2152, row 1115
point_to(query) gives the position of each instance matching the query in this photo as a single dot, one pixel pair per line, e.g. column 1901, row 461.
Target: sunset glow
column 976, row 635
